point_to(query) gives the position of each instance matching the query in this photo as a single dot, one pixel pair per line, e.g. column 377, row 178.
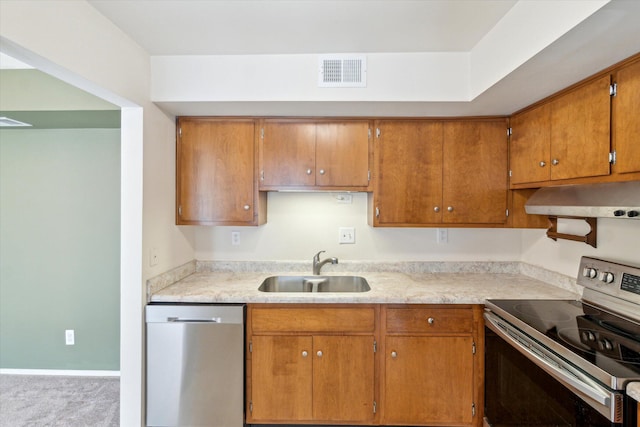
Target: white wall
column 618, row 239
column 72, row 41
column 301, row 224
column 527, row 29
column 390, row 77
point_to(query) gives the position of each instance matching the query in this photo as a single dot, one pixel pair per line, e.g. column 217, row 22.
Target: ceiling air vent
column 343, row 71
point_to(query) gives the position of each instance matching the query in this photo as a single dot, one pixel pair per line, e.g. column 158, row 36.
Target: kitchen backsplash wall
column 618, row 240
column 301, row 224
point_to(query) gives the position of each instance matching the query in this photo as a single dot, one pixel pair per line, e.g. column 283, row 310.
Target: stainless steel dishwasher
column 195, row 365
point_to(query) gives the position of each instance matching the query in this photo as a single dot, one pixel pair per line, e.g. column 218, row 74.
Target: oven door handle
column 589, row 389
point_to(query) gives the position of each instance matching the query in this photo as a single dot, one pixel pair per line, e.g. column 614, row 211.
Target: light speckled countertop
column 401, row 283
column 464, row 283
column 633, row 390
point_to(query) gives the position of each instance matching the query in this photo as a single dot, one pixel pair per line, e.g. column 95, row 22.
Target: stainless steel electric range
column 566, row 362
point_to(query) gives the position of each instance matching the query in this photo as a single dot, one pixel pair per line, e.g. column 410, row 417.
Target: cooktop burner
column 605, row 340
column 546, row 313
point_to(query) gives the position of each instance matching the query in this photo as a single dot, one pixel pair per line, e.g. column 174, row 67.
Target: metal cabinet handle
column 430, row 320
column 246, row 207
column 304, row 353
column 543, row 164
column 450, row 209
column 321, row 171
column 308, row 171
column 319, row 353
column 394, row 354
column 554, row 162
column 436, row 209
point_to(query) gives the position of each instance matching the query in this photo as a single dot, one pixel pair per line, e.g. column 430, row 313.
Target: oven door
column 522, row 388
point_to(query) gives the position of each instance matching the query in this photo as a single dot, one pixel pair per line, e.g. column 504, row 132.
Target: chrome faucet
column 317, row 264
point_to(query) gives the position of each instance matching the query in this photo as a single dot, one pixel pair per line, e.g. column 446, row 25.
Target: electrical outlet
column 442, row 235
column 346, row 235
column 345, row 198
column 235, row 238
column 69, row 337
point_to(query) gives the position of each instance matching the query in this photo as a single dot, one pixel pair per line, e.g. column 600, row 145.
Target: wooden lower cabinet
column 433, row 365
column 364, row 364
column 427, row 380
column 282, row 389
column 314, row 364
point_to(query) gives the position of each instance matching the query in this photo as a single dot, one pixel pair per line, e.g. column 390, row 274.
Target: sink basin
column 314, row 284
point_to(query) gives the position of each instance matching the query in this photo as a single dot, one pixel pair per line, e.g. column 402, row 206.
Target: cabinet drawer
column 312, row 319
column 429, row 320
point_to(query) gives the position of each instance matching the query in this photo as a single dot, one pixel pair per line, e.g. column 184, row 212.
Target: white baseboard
column 68, row 373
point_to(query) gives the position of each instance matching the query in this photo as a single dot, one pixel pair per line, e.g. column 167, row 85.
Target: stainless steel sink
column 314, row 284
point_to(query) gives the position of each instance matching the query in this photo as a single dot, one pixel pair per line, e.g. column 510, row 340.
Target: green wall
column 60, row 248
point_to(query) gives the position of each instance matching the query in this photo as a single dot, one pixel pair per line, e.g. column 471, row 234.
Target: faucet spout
column 317, row 264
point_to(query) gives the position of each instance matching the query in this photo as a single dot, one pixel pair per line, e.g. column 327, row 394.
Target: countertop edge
column 633, row 390
column 440, row 283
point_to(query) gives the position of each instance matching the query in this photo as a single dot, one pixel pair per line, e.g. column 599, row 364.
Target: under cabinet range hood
column 608, row 200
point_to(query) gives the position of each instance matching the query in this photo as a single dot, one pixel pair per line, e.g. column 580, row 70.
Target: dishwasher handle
column 194, row 320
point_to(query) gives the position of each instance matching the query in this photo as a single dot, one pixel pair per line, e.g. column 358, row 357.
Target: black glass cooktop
column 601, row 338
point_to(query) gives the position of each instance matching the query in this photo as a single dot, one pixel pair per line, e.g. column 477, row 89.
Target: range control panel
column 619, row 280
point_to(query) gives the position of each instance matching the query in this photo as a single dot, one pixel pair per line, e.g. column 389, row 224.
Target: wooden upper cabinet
column 475, row 172
column 314, row 154
column 408, row 158
column 432, row 172
column 530, row 145
column 342, row 154
column 580, row 131
column 565, row 138
column 215, row 180
column 288, row 154
column 626, row 126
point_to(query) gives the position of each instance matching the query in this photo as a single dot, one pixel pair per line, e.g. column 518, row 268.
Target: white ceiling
column 166, row 28
column 179, row 27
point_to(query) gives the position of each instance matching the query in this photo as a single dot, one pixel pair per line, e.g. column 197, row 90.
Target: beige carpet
column 37, row 401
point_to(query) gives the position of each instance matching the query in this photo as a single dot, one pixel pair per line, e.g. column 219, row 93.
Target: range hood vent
column 609, row 200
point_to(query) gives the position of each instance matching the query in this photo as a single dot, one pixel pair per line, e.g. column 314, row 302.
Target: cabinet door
column 409, row 172
column 281, row 378
column 343, row 378
column 428, row 380
column 288, row 154
column 215, row 171
column 580, row 131
column 626, row 126
column 530, row 145
column 475, row 172
column 342, row 154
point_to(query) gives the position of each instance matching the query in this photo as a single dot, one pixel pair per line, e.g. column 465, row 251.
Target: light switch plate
column 346, row 235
